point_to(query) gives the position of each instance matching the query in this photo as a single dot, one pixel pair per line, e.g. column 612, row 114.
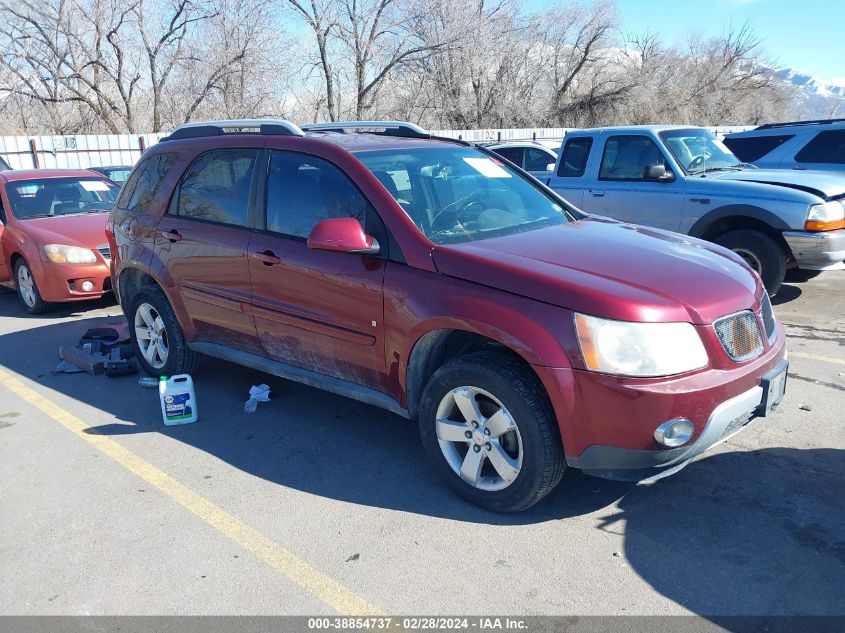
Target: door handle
column 173, row 235
column 598, row 193
column 268, row 258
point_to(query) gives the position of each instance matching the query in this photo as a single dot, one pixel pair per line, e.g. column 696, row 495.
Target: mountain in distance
column 821, row 98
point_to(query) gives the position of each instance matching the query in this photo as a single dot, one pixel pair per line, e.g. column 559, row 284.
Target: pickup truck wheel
column 157, row 338
column 761, row 253
column 488, row 426
column 28, row 290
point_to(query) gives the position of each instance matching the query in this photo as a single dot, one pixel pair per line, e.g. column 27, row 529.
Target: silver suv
column 795, row 145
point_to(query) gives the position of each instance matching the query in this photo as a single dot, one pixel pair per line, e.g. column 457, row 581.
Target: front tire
column 28, row 291
column 761, row 253
column 489, row 428
column 157, row 338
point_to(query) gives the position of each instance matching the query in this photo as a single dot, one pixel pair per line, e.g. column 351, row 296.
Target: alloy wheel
column 151, row 336
column 26, row 286
column 479, row 438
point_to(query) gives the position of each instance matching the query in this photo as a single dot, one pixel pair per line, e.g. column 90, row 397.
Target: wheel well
column 437, row 347
column 738, row 223
column 131, row 280
column 13, row 261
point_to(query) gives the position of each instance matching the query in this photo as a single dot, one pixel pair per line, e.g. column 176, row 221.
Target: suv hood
column 88, row 230
column 826, row 185
column 610, row 269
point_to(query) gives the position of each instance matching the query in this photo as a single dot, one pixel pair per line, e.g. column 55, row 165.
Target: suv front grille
column 768, row 317
column 105, row 251
column 739, row 335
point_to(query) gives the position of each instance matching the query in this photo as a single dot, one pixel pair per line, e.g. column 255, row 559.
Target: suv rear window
column 138, row 192
column 827, row 147
column 216, row 187
column 573, row 162
column 751, row 148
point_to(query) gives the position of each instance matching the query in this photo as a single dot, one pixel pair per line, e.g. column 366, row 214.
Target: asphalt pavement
column 317, row 504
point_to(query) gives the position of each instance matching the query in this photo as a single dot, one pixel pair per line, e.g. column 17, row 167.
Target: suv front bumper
column 824, row 250
column 725, row 421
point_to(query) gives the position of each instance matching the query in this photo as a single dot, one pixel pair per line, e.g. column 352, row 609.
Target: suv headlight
column 639, row 349
column 62, row 254
column 825, row 216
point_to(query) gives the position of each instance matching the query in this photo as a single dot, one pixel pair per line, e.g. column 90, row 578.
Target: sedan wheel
column 151, row 336
column 26, row 286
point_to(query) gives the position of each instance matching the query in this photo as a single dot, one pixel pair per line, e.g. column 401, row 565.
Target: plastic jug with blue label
column 178, row 401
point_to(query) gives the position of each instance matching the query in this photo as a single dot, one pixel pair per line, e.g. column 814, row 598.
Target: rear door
column 622, row 190
column 571, row 178
column 203, row 242
column 825, row 151
column 318, row 310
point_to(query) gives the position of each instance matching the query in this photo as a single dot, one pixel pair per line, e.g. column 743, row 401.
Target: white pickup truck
column 686, row 180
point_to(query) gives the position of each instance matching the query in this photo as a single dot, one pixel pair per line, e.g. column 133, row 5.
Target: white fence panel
column 83, row 151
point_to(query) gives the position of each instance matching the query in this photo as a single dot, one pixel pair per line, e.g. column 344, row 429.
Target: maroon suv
column 428, row 277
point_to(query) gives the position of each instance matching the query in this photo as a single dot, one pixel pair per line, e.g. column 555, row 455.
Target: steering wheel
column 450, row 215
column 696, row 162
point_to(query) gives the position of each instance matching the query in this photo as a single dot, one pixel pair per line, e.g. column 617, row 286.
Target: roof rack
column 391, row 128
column 768, row 126
column 266, row 127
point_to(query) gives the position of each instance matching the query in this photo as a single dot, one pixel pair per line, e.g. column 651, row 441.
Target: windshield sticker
column 94, row 185
column 487, row 167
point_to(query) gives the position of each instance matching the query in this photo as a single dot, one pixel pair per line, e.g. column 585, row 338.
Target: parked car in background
column 816, row 145
column 52, row 236
column 536, row 159
column 116, row 173
column 425, row 276
column 686, row 180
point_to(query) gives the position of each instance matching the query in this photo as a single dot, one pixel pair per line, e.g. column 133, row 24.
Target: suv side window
column 513, row 154
column 537, row 160
column 138, row 192
column 303, row 190
column 626, row 158
column 216, row 187
column 826, row 147
column 573, row 162
column 751, row 148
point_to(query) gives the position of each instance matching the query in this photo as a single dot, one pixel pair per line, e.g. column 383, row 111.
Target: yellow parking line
column 342, row 599
column 824, row 359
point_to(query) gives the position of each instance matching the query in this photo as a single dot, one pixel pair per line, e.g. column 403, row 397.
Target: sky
column 805, row 35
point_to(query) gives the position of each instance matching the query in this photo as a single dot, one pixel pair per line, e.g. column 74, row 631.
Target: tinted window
column 826, row 147
column 751, row 148
column 576, row 151
column 216, row 187
column 303, row 190
column 537, row 160
column 513, row 154
column 49, row 197
column 626, row 158
column 138, row 192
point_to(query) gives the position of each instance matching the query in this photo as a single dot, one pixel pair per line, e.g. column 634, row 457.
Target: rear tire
column 28, row 291
column 761, row 253
column 497, row 469
column 157, row 338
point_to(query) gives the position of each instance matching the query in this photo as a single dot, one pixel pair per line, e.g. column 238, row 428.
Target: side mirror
column 658, row 172
column 342, row 235
column 550, row 167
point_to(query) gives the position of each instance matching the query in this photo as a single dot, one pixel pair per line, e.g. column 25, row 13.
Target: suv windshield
column 698, row 151
column 459, row 194
column 60, row 196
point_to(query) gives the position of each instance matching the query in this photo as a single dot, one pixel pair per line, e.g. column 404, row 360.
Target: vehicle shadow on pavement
column 739, row 532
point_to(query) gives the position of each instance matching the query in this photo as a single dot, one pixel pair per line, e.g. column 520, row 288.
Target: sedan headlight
column 62, row 254
column 825, row 216
column 639, row 349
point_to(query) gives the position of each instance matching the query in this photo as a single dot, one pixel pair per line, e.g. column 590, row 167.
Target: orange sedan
column 53, row 245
